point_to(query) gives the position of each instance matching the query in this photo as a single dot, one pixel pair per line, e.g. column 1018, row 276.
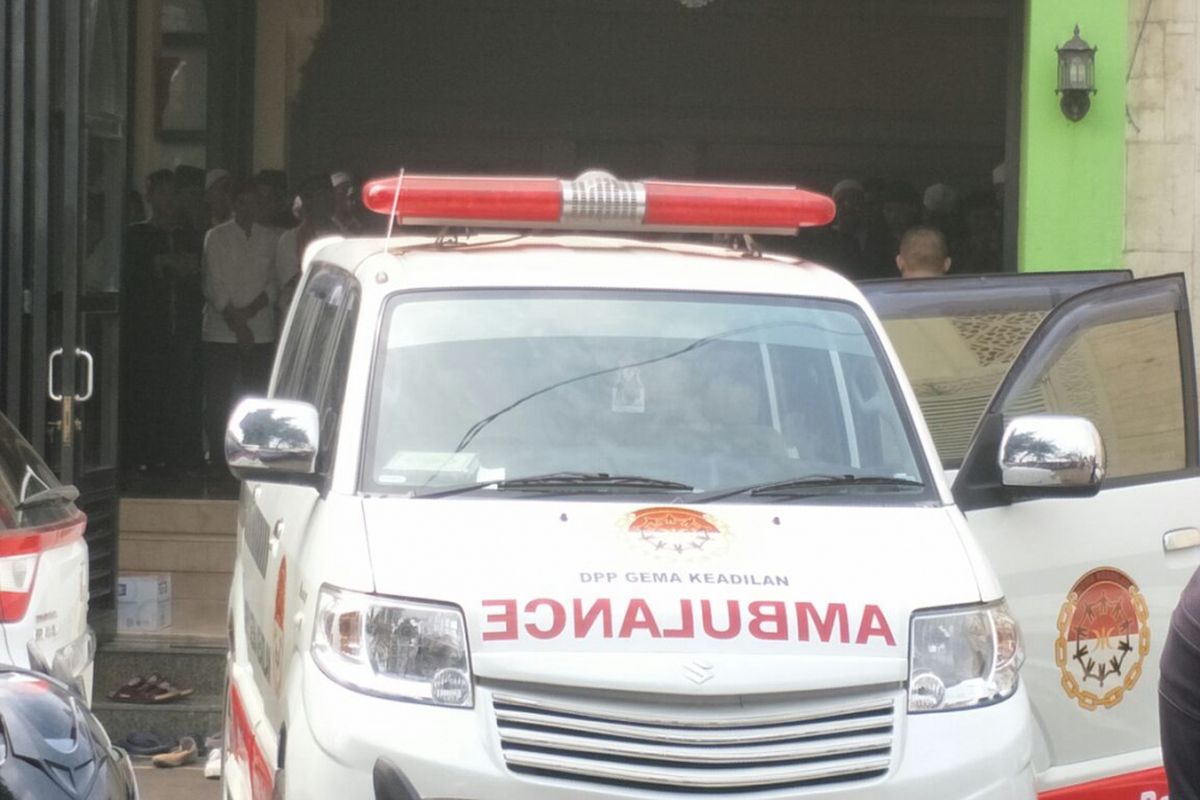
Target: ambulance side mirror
column 270, row 439
column 1050, row 454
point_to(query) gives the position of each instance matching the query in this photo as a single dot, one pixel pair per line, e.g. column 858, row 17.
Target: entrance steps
column 194, row 542
column 198, row 667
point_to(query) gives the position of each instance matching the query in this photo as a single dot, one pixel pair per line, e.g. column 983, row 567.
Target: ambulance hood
column 708, row 599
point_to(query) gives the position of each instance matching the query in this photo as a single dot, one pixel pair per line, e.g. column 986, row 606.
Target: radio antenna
column 395, row 205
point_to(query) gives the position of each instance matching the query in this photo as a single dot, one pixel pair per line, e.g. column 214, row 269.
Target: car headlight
column 963, row 658
column 393, row 648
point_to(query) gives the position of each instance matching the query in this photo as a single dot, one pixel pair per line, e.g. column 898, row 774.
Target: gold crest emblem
column 1103, row 638
column 675, row 533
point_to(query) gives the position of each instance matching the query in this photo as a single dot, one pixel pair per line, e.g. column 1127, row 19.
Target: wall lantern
column 1076, row 77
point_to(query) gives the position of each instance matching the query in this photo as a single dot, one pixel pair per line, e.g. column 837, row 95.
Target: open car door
column 957, row 336
column 1093, row 567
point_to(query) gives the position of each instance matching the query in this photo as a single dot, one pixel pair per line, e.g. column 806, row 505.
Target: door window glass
column 316, row 354
column 311, row 341
column 954, row 364
column 1125, row 377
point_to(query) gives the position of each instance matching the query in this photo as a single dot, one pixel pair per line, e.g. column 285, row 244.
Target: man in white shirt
column 239, row 314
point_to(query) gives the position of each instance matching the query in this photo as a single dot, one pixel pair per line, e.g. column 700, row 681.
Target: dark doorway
column 764, row 90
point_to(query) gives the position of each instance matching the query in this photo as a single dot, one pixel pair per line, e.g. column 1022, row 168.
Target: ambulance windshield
column 708, row 390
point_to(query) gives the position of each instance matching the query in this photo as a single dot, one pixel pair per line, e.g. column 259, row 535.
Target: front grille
column 713, row 746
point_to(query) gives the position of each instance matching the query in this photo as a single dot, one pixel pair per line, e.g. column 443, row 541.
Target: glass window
column 316, row 355
column 712, row 391
column 954, row 364
column 312, row 338
column 1125, row 377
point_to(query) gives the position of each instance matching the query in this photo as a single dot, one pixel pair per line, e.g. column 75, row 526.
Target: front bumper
column 338, row 740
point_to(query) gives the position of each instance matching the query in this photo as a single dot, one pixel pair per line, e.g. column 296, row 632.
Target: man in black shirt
column 187, row 308
column 145, row 330
column 1179, row 696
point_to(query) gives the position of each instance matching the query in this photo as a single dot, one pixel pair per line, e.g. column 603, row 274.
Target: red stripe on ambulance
column 604, row 618
column 1148, row 784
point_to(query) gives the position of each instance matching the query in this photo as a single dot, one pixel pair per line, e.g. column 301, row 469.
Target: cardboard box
column 143, row 603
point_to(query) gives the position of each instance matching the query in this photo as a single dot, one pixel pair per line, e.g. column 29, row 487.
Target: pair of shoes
column 152, row 689
column 212, row 766
column 184, row 753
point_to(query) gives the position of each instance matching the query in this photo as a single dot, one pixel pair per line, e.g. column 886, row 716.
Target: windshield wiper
column 55, row 494
column 805, row 483
column 563, row 480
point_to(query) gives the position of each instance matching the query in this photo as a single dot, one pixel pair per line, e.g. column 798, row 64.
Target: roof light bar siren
column 597, row 201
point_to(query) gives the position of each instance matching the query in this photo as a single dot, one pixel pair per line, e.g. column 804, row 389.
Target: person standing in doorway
column 314, row 207
column 276, row 206
column 901, row 210
column 239, row 318
column 187, row 308
column 345, row 204
column 145, row 330
column 923, row 253
column 218, row 196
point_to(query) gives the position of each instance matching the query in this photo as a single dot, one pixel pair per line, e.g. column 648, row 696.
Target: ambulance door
column 1093, row 579
column 958, row 335
column 311, row 367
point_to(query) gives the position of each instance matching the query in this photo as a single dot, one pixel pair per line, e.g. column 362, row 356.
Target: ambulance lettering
column 603, row 618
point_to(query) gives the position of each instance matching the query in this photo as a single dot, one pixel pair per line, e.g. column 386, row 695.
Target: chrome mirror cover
column 1051, row 451
column 274, row 435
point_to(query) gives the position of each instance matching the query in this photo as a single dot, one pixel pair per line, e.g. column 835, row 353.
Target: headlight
column 963, row 658
column 393, row 648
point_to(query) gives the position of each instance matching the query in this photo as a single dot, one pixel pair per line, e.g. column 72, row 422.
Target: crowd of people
column 875, row 217
column 208, row 276
column 210, row 271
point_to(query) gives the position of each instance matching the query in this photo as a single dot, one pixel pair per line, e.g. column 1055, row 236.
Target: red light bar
column 597, row 201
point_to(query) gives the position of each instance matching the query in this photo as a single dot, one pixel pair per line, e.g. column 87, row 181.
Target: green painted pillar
column 1072, row 186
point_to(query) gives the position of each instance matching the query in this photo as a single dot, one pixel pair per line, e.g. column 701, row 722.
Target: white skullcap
column 845, row 185
column 999, row 173
column 940, row 198
column 215, row 175
column 340, row 179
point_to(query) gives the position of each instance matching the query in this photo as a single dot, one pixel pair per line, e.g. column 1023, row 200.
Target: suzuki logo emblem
column 698, row 672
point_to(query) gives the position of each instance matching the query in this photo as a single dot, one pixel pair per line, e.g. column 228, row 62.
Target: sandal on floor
column 129, row 692
column 159, row 689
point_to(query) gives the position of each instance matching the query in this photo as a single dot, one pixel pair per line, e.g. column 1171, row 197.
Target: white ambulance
column 566, row 516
